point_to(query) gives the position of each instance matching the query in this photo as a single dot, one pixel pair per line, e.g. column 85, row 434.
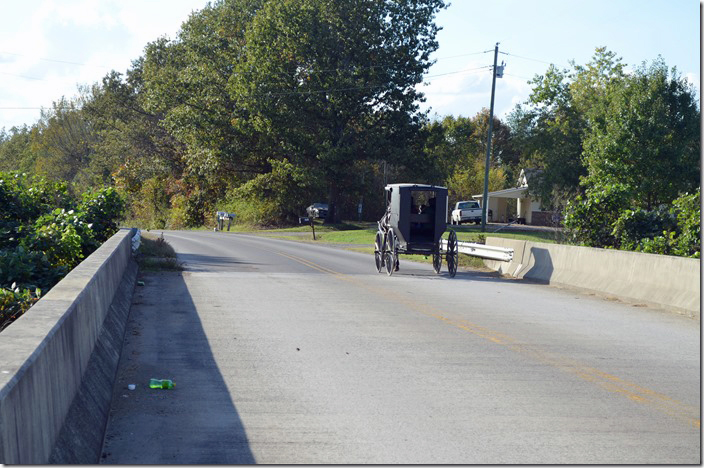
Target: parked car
column 318, row 210
column 466, row 211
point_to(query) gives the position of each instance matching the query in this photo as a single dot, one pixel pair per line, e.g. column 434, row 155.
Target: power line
column 22, row 76
column 463, row 55
column 80, row 64
column 488, row 67
column 526, row 58
column 286, row 93
column 517, row 76
column 56, row 60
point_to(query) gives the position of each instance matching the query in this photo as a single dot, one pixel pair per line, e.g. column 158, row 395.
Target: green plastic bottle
column 161, row 383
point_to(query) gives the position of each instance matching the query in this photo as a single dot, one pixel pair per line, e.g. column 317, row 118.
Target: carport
column 499, row 208
column 526, row 208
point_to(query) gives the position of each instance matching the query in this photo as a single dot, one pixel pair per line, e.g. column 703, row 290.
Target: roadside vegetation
column 46, row 229
column 156, row 254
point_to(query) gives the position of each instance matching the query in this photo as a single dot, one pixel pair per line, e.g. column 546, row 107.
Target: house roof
column 521, row 189
column 526, row 175
column 517, row 192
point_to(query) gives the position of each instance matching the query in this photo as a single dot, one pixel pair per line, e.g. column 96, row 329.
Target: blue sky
column 552, row 31
column 39, row 37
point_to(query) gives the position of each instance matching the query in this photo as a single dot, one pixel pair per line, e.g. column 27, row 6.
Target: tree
column 186, row 83
column 649, row 137
column 457, row 146
column 641, row 153
column 132, row 151
column 16, row 149
column 66, row 142
column 550, row 128
column 334, row 82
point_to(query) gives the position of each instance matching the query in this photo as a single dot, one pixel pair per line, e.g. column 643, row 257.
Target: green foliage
column 277, row 195
column 151, row 205
column 334, row 83
column 457, row 148
column 649, row 137
column 44, row 232
column 589, row 219
column 682, row 237
column 28, row 269
column 197, row 208
column 16, row 153
column 63, row 237
column 688, row 211
column 469, row 181
column 634, row 226
column 24, row 197
column 177, row 214
column 102, row 209
column 14, row 302
column 602, row 218
column 551, row 127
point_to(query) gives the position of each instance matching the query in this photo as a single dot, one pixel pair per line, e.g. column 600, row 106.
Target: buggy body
column 414, row 222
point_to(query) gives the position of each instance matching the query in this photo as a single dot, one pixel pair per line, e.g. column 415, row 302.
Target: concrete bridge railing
column 58, row 361
column 672, row 283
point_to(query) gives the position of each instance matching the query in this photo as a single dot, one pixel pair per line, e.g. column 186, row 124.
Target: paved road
column 295, row 353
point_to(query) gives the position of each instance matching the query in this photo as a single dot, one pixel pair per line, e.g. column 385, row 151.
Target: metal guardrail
column 482, row 251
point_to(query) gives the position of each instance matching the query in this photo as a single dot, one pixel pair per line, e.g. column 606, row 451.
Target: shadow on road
column 197, row 421
column 195, row 262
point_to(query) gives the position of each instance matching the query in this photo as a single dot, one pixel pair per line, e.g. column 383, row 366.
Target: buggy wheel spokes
column 390, row 254
column 452, row 255
column 437, row 261
column 379, row 251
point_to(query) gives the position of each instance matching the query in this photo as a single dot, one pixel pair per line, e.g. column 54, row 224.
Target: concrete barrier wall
column 673, row 283
column 44, row 354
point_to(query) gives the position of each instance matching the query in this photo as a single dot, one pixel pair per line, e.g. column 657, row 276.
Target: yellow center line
column 611, row 383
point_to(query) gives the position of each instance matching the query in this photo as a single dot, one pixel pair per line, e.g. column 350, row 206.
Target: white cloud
column 468, row 91
column 100, row 35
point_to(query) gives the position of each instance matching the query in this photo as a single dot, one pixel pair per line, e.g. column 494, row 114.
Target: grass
column 155, row 254
column 363, row 233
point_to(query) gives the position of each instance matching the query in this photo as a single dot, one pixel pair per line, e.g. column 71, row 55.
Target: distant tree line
column 261, row 107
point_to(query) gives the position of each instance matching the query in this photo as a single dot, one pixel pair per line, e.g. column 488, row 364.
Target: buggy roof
column 415, row 187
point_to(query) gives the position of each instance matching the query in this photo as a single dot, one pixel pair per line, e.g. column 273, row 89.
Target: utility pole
column 485, row 199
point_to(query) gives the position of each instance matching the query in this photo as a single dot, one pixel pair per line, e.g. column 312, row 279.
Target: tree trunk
column 333, row 197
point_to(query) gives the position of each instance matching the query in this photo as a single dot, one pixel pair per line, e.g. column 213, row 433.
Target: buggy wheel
column 452, row 255
column 437, row 261
column 390, row 256
column 379, row 251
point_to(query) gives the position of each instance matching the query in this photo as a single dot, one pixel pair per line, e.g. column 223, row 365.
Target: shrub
column 280, row 194
column 590, row 219
column 27, row 269
column 102, row 210
column 177, row 214
column 44, row 233
column 63, row 237
column 151, row 205
column 688, row 211
column 24, row 198
column 603, row 218
column 15, row 302
column 633, row 226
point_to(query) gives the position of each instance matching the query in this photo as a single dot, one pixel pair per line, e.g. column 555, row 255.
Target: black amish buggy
column 414, row 222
